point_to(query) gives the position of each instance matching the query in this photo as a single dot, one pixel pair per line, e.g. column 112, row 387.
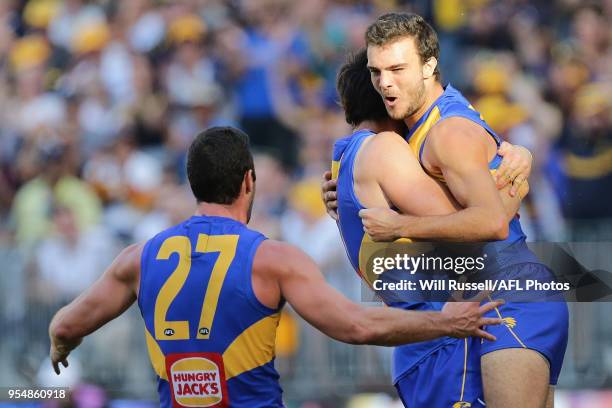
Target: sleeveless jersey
column 500, row 254
column 452, row 104
column 210, row 340
column 358, row 246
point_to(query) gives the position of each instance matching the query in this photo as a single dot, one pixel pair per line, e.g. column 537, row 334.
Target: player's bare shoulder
column 276, row 258
column 275, row 261
column 383, row 147
column 126, row 267
column 388, row 138
column 453, row 132
column 271, row 258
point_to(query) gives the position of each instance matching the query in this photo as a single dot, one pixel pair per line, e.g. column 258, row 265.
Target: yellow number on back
column 226, row 246
column 179, row 330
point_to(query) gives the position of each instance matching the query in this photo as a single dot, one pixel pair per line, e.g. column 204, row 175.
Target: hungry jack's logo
column 197, row 380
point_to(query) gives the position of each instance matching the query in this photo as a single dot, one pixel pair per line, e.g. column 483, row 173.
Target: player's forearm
column 392, row 327
column 468, row 225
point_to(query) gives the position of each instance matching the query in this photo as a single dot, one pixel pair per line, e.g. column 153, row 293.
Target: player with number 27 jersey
column 211, row 342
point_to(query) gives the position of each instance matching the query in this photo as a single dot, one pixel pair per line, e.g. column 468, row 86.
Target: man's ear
column 429, row 68
column 248, row 181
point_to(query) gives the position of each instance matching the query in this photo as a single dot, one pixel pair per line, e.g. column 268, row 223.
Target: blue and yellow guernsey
column 452, row 104
column 210, row 340
column 500, row 254
column 359, row 246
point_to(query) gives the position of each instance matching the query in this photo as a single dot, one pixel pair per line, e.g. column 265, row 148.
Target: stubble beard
column 417, row 102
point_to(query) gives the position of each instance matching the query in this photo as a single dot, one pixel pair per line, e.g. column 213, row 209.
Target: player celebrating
column 210, row 291
column 453, row 144
column 375, row 167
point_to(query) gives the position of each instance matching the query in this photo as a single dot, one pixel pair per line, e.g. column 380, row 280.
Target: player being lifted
column 210, row 290
column 450, row 140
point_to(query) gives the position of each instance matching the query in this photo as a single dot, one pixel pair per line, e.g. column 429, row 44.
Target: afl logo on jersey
column 197, row 380
column 169, row 332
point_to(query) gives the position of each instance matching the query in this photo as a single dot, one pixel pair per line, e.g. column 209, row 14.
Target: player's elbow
column 59, row 329
column 360, row 330
column 360, row 333
column 499, row 229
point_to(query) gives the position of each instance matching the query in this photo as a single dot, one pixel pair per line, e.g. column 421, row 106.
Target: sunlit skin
column 460, row 150
column 407, row 85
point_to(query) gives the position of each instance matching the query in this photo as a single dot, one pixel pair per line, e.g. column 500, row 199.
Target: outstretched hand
column 467, row 317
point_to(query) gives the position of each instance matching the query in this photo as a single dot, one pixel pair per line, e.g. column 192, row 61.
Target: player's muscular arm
column 301, row 283
column 106, row 299
column 414, row 193
column 459, row 149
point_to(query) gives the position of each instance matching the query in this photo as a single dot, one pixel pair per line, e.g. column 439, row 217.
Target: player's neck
column 377, row 126
column 431, row 94
column 233, row 211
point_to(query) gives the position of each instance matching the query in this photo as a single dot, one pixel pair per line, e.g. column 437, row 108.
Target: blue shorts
column 451, row 376
column 447, row 378
column 541, row 325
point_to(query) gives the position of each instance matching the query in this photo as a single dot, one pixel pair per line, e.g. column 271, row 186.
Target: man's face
column 397, row 74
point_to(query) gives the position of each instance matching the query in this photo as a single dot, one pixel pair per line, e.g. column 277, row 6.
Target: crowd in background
column 99, row 101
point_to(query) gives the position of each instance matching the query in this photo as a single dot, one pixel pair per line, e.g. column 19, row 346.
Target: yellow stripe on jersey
column 158, row 361
column 367, row 249
column 370, row 249
column 335, row 168
column 418, row 138
column 253, row 348
column 420, row 134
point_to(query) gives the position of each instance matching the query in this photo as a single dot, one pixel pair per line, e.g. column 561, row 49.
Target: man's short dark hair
column 217, row 161
column 358, row 97
column 392, row 26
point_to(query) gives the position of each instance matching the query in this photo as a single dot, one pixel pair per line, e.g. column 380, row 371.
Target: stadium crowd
column 99, row 101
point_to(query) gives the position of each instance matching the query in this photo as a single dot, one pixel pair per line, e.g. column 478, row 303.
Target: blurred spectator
column 583, row 165
column 87, row 253
column 53, row 186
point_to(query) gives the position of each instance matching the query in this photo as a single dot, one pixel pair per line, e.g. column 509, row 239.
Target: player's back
column 360, row 248
column 210, row 340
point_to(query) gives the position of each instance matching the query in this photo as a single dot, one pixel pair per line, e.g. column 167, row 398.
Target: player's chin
column 395, row 113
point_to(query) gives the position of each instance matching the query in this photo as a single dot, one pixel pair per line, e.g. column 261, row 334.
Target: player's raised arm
column 106, row 299
column 301, row 283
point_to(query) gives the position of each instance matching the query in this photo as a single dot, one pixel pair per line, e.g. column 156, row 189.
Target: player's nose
column 385, row 81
